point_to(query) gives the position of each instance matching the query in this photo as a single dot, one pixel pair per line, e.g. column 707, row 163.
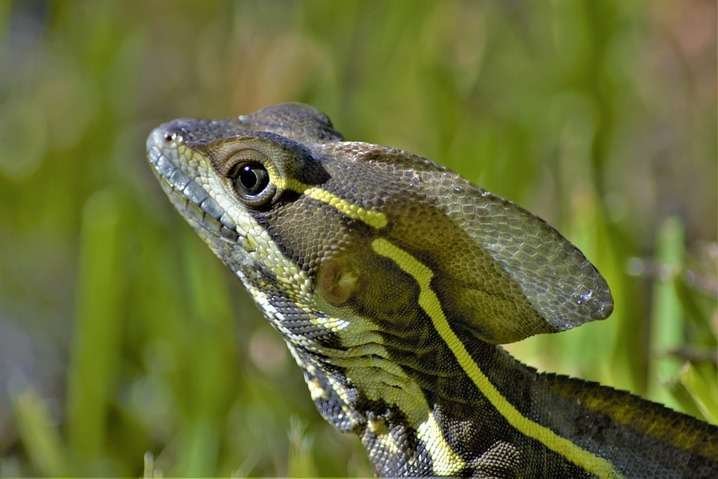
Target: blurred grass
column 667, row 330
column 95, row 349
column 598, row 115
column 39, row 435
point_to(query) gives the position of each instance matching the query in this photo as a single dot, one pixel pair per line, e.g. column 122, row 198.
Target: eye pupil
column 250, row 179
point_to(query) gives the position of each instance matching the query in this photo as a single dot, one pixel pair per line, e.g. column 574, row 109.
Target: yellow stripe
column 375, row 219
column 395, row 387
column 430, row 303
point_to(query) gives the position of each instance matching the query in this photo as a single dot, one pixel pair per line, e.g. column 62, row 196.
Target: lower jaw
column 171, row 178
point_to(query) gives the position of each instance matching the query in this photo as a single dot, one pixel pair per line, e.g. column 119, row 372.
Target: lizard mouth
column 187, row 195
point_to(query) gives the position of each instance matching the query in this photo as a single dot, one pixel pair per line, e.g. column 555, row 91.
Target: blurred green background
column 127, row 349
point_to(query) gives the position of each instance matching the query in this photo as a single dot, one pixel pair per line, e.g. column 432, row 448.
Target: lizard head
column 252, row 189
column 300, row 215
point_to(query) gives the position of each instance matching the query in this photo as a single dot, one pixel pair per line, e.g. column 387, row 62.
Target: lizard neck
column 433, row 416
column 634, row 436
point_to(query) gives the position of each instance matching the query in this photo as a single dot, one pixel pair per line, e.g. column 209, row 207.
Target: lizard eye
column 250, row 180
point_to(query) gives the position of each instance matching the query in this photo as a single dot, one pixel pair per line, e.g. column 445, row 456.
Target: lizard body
column 394, row 281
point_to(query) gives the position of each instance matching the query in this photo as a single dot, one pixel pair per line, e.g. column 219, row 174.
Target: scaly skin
column 393, row 282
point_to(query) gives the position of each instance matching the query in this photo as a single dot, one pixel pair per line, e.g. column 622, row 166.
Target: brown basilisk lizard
column 393, row 282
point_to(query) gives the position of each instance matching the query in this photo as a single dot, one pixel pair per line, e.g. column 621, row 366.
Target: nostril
column 172, row 135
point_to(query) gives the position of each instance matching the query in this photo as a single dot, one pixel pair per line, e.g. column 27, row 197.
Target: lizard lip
column 187, row 195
